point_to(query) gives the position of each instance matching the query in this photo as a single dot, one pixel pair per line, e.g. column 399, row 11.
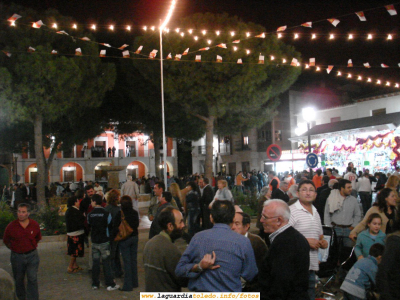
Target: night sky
column 270, row 14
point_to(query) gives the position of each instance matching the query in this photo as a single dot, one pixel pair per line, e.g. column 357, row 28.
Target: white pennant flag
column 78, row 51
column 125, row 54
column 198, row 58
column 240, row 61
column 14, row 18
column 178, row 57
column 219, row 59
column 391, row 10
column 312, row 62
column 153, row 54
column 37, row 24
column 186, row 52
column 102, row 53
column 366, row 65
column 261, row 59
column 138, row 50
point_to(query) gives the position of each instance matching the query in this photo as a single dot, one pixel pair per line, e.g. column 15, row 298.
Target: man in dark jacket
column 284, row 272
column 207, row 196
column 165, row 201
column 281, row 192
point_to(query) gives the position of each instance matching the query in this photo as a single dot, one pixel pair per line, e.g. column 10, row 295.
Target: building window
column 377, row 112
column 278, row 135
column 268, row 135
column 336, row 119
column 246, row 140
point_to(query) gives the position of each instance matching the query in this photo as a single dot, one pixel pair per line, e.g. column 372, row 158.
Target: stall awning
column 380, row 122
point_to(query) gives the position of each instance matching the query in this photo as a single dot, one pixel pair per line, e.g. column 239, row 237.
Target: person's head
column 284, row 186
column 129, row 178
column 345, row 187
column 349, row 169
column 265, row 192
column 332, row 182
column 329, row 172
column 126, row 202
column 96, row 200
column 24, row 210
column 112, row 197
column 374, row 223
column 222, row 184
column 292, row 192
column 392, row 182
column 307, row 191
column 376, row 251
column 271, row 174
column 350, row 165
column 97, row 184
column 73, row 201
column 191, row 185
column 223, row 212
column 203, row 182
column 325, row 179
column 166, row 196
column 175, row 190
column 159, row 187
column 319, row 172
column 241, row 223
column 385, row 198
column 171, row 221
column 275, row 214
column 89, row 190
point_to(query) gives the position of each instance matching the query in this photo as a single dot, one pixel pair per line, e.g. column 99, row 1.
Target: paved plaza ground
column 56, row 283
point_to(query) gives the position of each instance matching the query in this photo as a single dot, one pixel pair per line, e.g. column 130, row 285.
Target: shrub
column 49, row 218
column 6, row 216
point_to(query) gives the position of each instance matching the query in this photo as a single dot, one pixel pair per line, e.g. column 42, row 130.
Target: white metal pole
column 163, row 112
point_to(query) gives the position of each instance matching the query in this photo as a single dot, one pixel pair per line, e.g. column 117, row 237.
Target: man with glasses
column 284, row 272
column 305, row 218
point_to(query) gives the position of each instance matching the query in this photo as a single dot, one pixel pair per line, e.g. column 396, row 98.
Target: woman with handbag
column 126, row 232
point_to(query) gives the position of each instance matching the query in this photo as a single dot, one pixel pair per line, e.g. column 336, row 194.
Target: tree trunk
column 157, row 144
column 40, row 160
column 209, row 147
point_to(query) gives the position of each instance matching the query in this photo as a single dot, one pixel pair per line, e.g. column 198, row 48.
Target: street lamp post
column 308, row 114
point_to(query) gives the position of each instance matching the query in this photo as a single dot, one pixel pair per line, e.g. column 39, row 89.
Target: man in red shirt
column 22, row 237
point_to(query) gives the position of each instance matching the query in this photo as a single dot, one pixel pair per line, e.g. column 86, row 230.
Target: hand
column 353, row 237
column 323, row 244
column 151, row 218
column 208, row 262
column 314, row 244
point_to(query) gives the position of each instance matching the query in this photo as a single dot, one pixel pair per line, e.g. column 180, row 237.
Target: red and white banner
column 391, row 10
column 361, row 16
column 334, row 22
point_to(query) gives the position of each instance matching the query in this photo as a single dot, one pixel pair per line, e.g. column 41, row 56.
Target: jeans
column 365, row 201
column 26, row 264
column 102, row 251
column 344, row 234
column 129, row 249
column 311, row 284
column 193, row 227
column 115, row 260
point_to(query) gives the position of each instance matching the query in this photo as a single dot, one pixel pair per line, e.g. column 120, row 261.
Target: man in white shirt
column 98, row 187
column 131, row 189
column 304, row 218
column 364, row 190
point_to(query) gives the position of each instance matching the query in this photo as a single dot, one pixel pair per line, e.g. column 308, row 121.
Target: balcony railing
column 225, row 149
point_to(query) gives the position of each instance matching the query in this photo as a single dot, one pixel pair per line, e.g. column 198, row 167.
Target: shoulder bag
column 124, row 229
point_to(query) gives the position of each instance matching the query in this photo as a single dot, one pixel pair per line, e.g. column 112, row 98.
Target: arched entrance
column 31, row 173
column 136, row 169
column 71, row 172
column 101, row 175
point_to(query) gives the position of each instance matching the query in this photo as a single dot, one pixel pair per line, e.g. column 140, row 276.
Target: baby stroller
column 331, row 263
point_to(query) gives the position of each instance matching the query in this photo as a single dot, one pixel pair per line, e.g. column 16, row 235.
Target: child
column 370, row 236
column 360, row 276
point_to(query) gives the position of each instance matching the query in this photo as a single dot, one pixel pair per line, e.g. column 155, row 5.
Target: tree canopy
column 238, row 96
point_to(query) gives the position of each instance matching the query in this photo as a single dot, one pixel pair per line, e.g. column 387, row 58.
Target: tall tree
column 44, row 88
column 237, row 95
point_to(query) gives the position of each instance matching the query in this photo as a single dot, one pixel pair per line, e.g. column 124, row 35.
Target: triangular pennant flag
column 62, row 32
column 366, row 65
column 262, row 35
column 37, row 24
column 349, row 63
column 222, row 46
column 139, row 50
column 30, row 49
column 361, row 16
column 390, row 8
column 312, row 62
column 334, row 22
column 104, row 44
column 7, row 53
column 14, row 18
column 123, row 47
column 294, row 62
column 282, row 28
column 78, row 51
column 198, row 58
column 240, row 61
column 85, row 39
column 54, row 52
column 204, row 49
column 125, row 54
column 178, row 57
column 329, row 69
column 307, row 24
column 186, row 52
column 261, row 59
column 102, row 53
column 236, row 42
column 153, row 54
column 384, row 66
column 169, row 56
column 219, row 59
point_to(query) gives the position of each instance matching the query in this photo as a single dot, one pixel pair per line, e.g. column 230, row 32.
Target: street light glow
column 170, row 11
column 308, row 114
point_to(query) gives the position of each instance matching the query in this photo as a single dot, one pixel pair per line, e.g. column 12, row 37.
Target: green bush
column 49, row 218
column 6, row 216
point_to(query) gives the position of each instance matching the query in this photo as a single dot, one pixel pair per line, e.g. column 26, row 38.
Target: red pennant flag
column 102, row 53
column 54, row 52
column 240, row 62
column 294, row 62
column 186, row 52
column 261, row 59
column 384, row 66
column 350, row 63
column 104, row 44
column 367, row 65
column 153, row 54
column 222, row 46
column 204, row 49
column 123, row 47
column 169, row 56
column 31, row 50
column 307, row 24
column 334, row 22
column 219, row 59
column 329, row 69
column 178, row 57
column 282, row 28
column 312, row 62
column 7, row 53
column 391, row 10
column 78, row 52
column 62, row 32
column 139, row 50
column 236, row 42
column 361, row 16
column 125, row 54
column 198, row 58
column 85, row 39
column 37, row 24
column 262, row 35
column 14, row 18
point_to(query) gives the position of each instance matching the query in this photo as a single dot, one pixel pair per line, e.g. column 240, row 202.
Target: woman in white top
column 223, row 193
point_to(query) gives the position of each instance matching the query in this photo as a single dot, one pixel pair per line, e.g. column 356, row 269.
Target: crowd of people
column 222, row 255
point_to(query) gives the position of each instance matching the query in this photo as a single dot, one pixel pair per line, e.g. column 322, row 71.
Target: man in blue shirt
column 216, row 258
